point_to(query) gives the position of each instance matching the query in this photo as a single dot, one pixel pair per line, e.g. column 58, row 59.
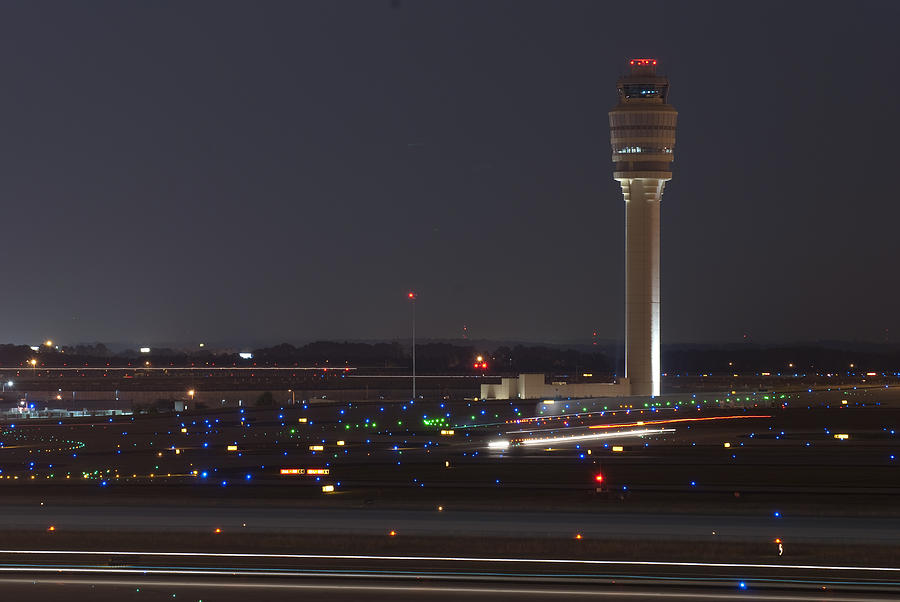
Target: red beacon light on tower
column 480, row 363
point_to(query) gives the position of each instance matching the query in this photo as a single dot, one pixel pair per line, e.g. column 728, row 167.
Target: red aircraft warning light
column 643, row 62
column 411, row 295
column 598, row 477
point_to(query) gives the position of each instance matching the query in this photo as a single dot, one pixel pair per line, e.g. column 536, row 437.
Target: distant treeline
column 430, row 357
column 805, row 360
column 455, row 358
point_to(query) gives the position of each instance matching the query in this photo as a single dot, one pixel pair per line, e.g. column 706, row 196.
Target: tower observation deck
column 642, row 135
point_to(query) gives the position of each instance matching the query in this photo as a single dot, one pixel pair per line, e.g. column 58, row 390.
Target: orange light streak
column 673, row 420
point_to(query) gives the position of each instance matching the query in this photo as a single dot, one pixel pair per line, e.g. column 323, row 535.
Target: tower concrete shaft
column 642, row 135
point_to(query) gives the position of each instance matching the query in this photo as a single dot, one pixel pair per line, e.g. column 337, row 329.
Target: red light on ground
column 598, row 477
column 410, row 295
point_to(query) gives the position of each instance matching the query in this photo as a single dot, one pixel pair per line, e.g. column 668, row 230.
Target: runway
column 117, row 575
column 115, row 590
column 369, row 521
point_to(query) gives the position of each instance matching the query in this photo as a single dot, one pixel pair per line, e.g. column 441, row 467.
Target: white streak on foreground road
column 735, row 565
column 442, row 589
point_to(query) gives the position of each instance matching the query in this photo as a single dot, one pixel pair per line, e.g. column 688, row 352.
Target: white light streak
column 737, row 565
column 443, row 588
column 613, row 435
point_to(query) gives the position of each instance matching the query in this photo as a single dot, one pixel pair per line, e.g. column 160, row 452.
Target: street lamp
column 33, row 363
column 412, row 299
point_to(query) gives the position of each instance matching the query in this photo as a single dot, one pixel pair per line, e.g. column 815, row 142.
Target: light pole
column 412, row 299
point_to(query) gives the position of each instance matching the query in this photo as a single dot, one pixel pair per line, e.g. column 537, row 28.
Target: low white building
column 535, row 386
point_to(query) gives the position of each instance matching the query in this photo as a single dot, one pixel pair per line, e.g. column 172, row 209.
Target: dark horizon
column 289, row 171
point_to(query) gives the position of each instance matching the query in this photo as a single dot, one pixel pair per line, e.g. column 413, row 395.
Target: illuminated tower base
column 642, row 366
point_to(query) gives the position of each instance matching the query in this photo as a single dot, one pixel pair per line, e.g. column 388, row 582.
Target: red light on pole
column 598, row 477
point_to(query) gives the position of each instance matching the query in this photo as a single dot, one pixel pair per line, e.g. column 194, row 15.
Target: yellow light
column 842, row 436
column 286, row 471
column 618, row 448
column 479, row 358
column 301, row 420
column 440, row 508
column 184, row 430
column 316, row 447
column 51, row 528
column 48, row 343
column 587, row 374
column 447, row 432
column 32, row 361
column 191, row 392
column 318, row 471
column 578, row 536
column 327, row 488
column 727, row 444
column 341, row 442
column 843, row 402
column 218, row 530
column 549, row 402
column 177, row 451
column 231, row 448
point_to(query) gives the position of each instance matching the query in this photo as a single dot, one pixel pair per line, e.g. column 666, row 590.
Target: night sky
column 258, row 172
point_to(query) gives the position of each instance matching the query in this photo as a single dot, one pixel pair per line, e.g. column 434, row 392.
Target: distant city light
column 245, row 355
column 145, row 350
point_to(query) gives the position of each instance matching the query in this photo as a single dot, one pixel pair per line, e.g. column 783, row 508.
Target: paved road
column 155, row 576
column 100, row 589
column 123, row 518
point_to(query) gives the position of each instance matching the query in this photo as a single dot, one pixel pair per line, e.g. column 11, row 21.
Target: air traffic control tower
column 642, row 134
